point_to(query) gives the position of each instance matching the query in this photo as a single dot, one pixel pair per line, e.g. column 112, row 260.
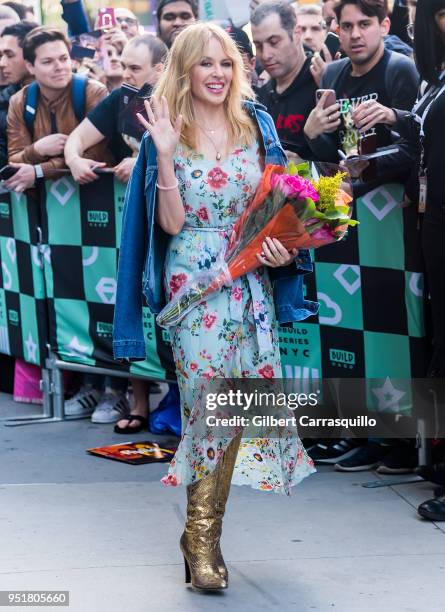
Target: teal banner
column 61, row 290
column 23, row 312
column 370, row 290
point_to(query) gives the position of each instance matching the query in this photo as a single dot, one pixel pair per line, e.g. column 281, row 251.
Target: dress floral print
column 232, row 335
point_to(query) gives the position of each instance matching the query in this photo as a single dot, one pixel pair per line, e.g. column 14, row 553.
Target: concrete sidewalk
column 108, row 533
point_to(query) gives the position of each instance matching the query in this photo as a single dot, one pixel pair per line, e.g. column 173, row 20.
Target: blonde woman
column 199, row 166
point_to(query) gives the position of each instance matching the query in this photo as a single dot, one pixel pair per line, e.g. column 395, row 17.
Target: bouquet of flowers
column 296, row 205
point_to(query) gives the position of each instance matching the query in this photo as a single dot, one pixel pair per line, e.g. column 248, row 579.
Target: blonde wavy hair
column 175, row 83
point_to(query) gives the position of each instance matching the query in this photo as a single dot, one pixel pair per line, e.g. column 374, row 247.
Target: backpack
column 78, row 99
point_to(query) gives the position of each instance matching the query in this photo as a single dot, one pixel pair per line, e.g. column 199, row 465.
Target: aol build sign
column 222, row 10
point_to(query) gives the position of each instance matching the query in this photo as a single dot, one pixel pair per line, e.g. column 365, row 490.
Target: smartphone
column 330, row 100
column 78, row 52
column 7, row 172
column 332, row 42
column 106, row 19
column 103, row 170
column 366, row 146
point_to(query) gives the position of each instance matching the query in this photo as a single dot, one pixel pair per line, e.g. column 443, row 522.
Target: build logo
column 97, row 218
column 13, row 317
column 342, row 359
column 4, row 210
column 104, row 330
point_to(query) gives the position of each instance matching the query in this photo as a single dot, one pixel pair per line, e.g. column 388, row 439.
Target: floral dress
column 234, row 334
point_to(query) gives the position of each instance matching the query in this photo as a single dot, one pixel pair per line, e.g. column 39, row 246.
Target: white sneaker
column 83, row 403
column 112, row 408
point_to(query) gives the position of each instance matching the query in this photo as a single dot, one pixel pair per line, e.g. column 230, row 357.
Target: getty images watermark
column 329, row 408
column 251, row 403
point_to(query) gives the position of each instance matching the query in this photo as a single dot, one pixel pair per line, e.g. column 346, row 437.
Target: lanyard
column 435, row 94
column 432, row 95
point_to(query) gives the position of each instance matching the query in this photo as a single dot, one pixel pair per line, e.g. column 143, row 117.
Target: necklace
column 213, row 130
column 218, row 153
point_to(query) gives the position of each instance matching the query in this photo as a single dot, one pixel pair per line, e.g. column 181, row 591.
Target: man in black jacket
column 368, row 83
column 290, row 94
column 14, row 71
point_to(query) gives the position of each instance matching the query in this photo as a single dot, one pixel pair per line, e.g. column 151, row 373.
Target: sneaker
column 83, row 403
column 112, row 408
column 400, row 460
column 365, row 458
column 335, row 451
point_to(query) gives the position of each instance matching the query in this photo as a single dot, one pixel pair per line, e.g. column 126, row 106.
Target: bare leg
column 140, row 407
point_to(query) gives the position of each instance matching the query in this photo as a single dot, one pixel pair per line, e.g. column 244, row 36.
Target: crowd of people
column 386, row 70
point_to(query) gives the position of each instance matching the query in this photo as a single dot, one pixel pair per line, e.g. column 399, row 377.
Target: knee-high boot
column 206, row 500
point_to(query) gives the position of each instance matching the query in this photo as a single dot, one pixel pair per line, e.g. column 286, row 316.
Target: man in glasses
column 173, row 16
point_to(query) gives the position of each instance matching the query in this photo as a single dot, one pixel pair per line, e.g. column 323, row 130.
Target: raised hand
column 322, row 120
column 165, row 135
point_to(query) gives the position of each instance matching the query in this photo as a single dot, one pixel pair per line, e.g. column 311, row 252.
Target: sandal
column 143, row 423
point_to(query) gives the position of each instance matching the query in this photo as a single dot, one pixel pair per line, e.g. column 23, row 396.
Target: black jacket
column 5, row 94
column 401, row 85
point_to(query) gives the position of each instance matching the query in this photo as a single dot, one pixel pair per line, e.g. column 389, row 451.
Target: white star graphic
column 388, row 396
column 75, row 348
column 31, row 348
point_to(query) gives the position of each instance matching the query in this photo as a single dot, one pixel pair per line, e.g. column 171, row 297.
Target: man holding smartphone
column 366, row 85
column 143, row 61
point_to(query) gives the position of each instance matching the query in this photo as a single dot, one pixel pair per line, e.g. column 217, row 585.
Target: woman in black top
column 424, row 127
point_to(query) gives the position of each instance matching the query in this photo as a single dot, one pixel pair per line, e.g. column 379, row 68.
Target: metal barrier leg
column 58, row 392
column 47, row 415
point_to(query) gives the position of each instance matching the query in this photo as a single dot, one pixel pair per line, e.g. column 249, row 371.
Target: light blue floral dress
column 233, row 334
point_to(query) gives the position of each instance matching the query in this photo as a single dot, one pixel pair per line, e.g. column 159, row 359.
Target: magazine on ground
column 132, row 103
column 137, row 453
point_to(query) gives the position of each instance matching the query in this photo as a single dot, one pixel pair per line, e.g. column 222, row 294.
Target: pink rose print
column 209, row 320
column 209, row 374
column 266, row 371
column 170, row 480
column 217, row 178
column 237, row 293
column 202, row 213
column 193, row 366
column 177, row 281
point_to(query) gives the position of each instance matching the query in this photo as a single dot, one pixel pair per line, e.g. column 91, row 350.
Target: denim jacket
column 144, row 245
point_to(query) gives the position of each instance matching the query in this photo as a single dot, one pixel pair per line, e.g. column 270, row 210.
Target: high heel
column 187, row 572
column 201, row 568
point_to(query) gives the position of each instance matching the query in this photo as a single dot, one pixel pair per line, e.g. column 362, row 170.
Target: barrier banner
column 370, row 289
column 82, row 228
column 23, row 321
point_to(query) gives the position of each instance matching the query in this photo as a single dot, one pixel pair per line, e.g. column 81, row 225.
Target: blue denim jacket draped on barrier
column 144, row 245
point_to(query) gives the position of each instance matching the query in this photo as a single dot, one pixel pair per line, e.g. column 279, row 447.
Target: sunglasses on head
column 129, row 20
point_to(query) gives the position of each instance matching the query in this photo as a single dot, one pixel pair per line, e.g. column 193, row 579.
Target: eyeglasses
column 410, row 31
column 129, row 20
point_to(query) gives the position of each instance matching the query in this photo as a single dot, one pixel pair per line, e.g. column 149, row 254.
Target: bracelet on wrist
column 169, row 187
